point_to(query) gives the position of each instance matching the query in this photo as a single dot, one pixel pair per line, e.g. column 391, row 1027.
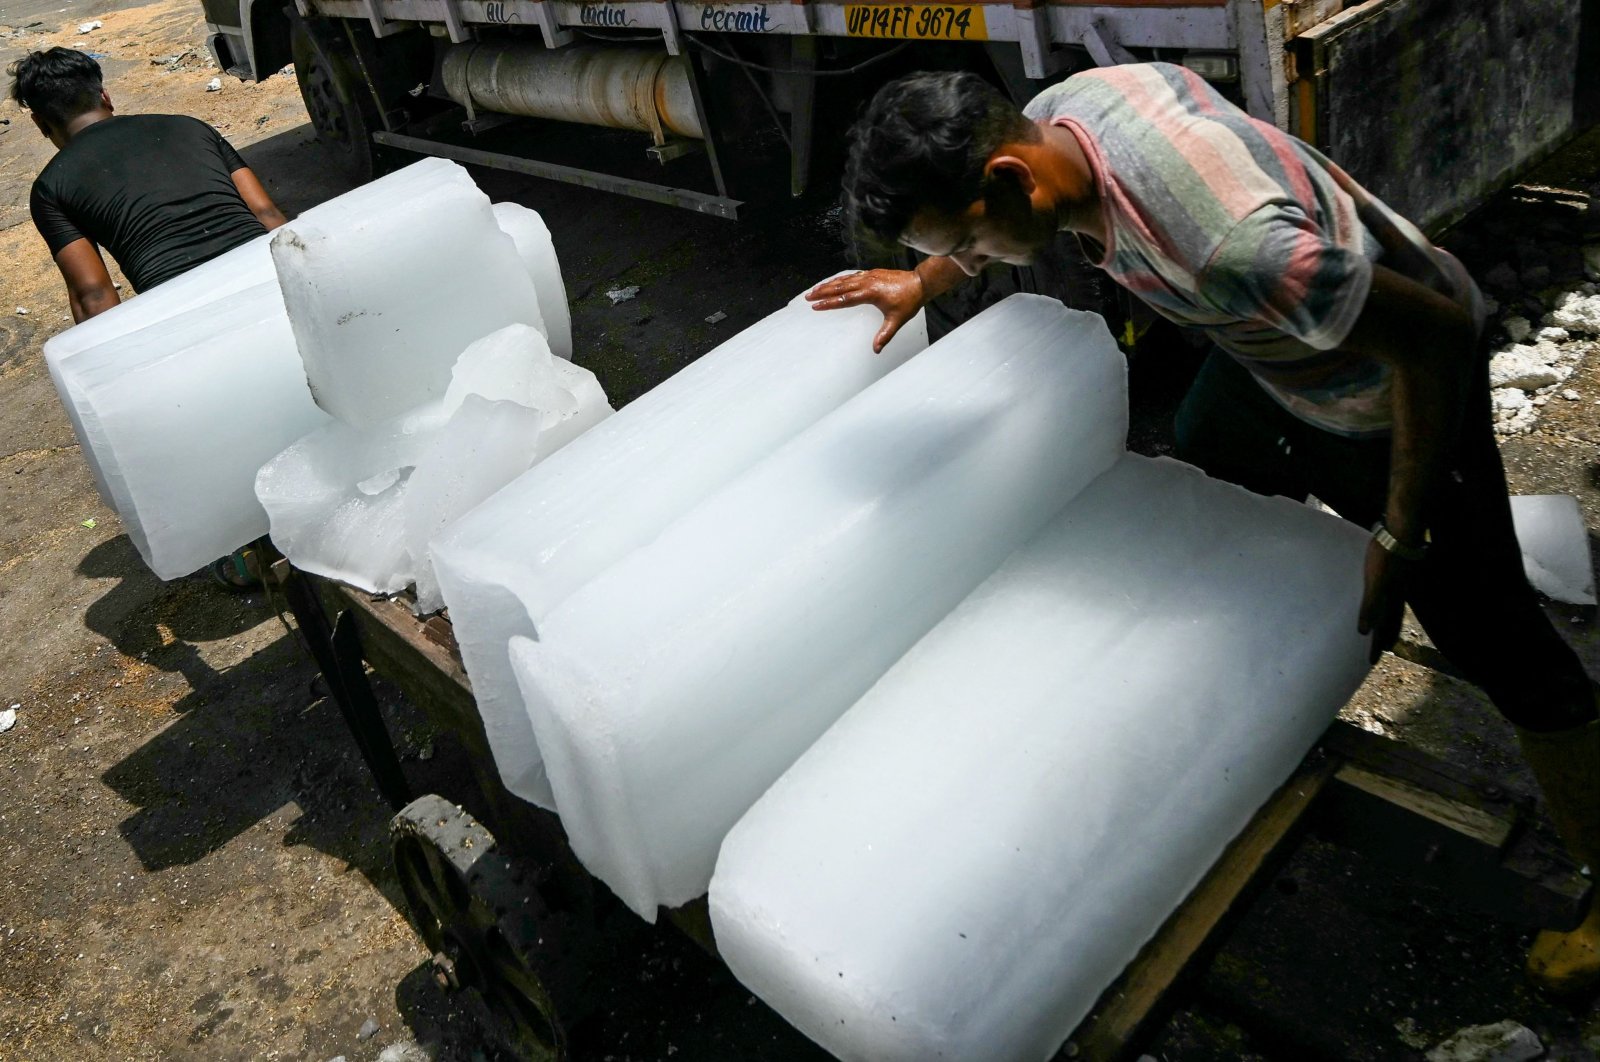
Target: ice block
column 670, row 691
column 1555, row 546
column 961, row 865
column 246, row 266
column 181, row 413
column 504, row 565
column 385, row 288
column 336, row 498
column 538, row 253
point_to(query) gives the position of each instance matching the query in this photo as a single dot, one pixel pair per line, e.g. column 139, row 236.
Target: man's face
column 997, row 229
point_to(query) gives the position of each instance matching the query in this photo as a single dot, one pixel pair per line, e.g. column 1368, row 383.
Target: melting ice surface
column 361, row 504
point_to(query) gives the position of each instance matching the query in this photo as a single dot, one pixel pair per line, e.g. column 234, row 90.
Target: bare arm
column 89, row 287
column 897, row 293
column 1424, row 338
column 256, row 198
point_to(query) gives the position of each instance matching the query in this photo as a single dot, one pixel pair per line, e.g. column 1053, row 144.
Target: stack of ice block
column 506, row 564
column 361, row 504
column 178, row 463
column 670, row 691
column 384, row 291
column 960, row 866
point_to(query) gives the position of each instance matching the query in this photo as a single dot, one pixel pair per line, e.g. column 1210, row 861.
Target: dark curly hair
column 923, row 142
column 57, row 85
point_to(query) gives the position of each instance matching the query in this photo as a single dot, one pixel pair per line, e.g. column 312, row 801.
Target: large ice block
column 181, row 413
column 538, row 253
column 667, row 694
column 246, row 266
column 960, row 866
column 504, row 565
column 386, row 289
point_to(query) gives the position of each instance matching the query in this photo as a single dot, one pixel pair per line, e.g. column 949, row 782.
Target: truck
column 720, row 105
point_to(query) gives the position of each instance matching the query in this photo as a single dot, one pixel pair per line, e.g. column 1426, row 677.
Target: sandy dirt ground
column 193, row 861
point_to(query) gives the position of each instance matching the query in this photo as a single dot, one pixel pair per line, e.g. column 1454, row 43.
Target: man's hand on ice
column 897, row 293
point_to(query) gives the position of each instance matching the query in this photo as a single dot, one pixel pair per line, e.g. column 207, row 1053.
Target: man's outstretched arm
column 89, row 287
column 256, row 198
column 897, row 293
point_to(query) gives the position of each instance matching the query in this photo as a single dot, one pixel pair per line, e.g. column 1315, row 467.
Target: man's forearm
column 1427, row 418
column 271, row 218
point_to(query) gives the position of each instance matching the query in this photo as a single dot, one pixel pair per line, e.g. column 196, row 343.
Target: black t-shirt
column 153, row 189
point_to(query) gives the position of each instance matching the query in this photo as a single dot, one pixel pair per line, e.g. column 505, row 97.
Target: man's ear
column 44, row 126
column 105, row 101
column 1012, row 170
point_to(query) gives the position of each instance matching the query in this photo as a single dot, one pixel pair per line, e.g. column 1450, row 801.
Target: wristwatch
column 1395, row 546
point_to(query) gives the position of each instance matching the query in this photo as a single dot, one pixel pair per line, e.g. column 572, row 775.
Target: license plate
column 940, row 22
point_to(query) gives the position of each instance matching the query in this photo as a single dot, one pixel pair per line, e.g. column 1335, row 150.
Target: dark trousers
column 1470, row 593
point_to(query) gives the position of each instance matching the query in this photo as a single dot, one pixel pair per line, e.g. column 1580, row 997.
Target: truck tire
column 338, row 102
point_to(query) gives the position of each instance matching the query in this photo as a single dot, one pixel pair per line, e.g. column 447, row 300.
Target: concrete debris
column 1552, row 334
column 1570, row 395
column 407, row 1051
column 1529, row 367
column 8, row 719
column 214, row 85
column 1517, row 328
column 1514, row 412
column 369, row 1029
column 1505, row 1041
column 618, row 296
column 89, row 27
column 22, row 311
column 717, row 318
column 1576, row 313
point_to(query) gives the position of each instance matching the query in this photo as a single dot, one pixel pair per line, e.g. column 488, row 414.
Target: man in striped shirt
column 1349, row 360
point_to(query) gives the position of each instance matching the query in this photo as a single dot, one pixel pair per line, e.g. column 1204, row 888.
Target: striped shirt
column 1226, row 224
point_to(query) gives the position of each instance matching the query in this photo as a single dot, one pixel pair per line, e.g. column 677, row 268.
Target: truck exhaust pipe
column 620, row 88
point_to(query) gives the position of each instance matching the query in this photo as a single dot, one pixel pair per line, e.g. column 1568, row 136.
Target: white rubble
column 180, row 414
column 1514, row 412
column 531, row 237
column 1576, row 313
column 669, row 692
column 386, row 285
column 1555, row 546
column 962, row 864
column 361, row 504
column 507, row 563
column 1525, row 367
column 1504, row 1041
column 1517, row 328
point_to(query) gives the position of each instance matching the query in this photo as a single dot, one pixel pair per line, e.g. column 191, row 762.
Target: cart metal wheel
column 491, row 934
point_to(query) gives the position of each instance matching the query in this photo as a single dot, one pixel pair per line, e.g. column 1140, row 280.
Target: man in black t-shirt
column 163, row 193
